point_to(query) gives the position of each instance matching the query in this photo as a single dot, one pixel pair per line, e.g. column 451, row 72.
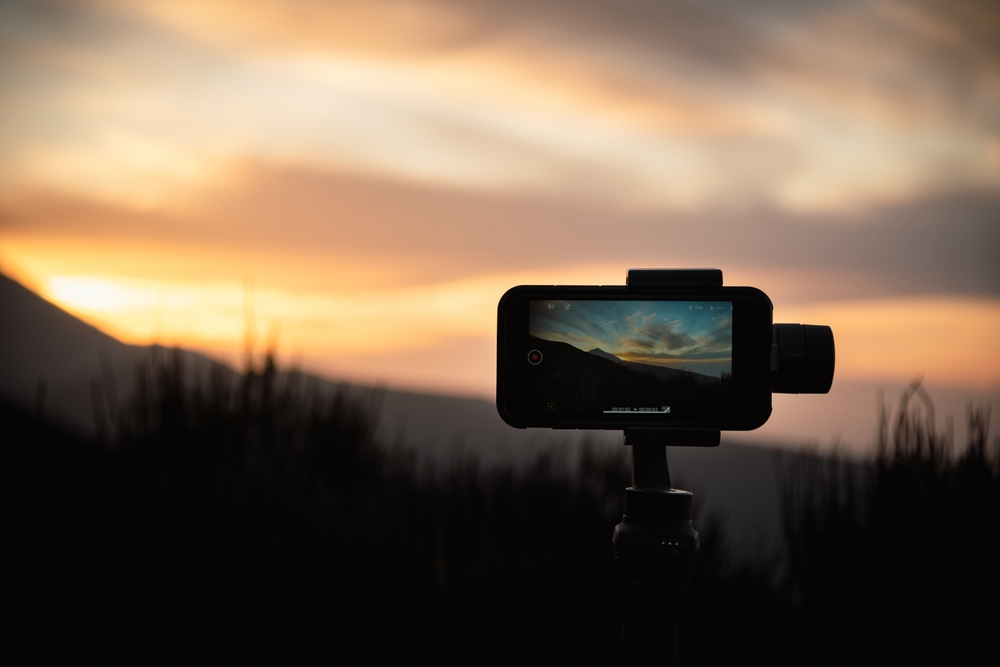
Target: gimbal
column 655, row 544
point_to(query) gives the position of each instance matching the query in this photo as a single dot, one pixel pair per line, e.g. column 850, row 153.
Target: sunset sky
column 357, row 183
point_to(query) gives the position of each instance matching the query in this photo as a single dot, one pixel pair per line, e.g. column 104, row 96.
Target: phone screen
column 619, row 357
column 601, row 357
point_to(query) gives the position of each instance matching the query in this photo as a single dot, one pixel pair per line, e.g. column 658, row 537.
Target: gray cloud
column 648, row 336
column 943, row 245
column 930, row 53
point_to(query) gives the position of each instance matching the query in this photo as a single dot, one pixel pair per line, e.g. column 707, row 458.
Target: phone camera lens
column 551, row 407
column 534, row 357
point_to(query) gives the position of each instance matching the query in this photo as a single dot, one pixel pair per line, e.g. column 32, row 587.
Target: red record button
column 534, row 357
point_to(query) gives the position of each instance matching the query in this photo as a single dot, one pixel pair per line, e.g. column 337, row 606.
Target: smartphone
column 598, row 357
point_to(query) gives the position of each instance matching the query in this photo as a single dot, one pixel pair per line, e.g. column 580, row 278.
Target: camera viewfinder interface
column 632, row 357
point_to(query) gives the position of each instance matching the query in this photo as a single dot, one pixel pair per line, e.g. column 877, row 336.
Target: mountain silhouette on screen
column 659, row 371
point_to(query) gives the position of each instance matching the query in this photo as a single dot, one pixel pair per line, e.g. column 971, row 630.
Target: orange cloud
column 659, row 107
column 467, row 51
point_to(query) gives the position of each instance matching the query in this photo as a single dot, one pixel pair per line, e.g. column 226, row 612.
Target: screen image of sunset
column 692, row 336
column 354, row 185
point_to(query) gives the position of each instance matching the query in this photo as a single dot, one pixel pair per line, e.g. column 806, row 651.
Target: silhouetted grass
column 897, row 561
column 253, row 516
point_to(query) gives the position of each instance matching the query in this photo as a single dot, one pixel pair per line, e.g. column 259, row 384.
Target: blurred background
column 352, row 186
column 356, row 183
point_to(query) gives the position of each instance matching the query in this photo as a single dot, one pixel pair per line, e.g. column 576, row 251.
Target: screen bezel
column 748, row 406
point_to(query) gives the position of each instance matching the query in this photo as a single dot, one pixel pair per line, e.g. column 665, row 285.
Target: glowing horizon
column 317, row 330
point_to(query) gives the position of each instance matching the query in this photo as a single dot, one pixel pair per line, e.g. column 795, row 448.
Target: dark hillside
column 56, row 364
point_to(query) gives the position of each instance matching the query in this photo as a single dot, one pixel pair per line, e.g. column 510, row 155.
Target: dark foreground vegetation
column 254, row 518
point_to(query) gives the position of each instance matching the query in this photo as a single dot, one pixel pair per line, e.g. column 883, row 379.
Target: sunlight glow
column 214, row 314
column 98, row 296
